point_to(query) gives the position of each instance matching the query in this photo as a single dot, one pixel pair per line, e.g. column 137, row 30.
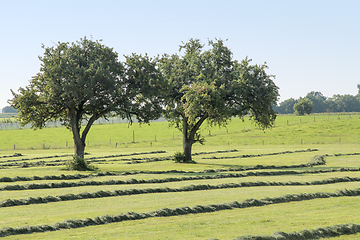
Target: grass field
column 244, row 182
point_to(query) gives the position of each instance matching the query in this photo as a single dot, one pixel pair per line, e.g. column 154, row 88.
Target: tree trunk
column 187, row 143
column 79, row 148
column 79, row 144
column 189, row 136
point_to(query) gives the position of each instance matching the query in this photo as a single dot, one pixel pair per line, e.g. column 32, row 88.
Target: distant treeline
column 322, row 104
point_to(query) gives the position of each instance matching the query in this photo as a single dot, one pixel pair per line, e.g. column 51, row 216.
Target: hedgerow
column 166, row 212
column 200, row 187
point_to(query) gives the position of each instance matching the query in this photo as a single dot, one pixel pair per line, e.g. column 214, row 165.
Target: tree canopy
column 304, row 106
column 209, row 86
column 82, row 81
column 322, row 104
column 9, row 109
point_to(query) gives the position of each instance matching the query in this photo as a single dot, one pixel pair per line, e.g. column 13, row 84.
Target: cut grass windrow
column 230, row 175
column 20, row 162
column 263, row 155
column 67, row 155
column 166, row 212
column 100, row 157
column 322, row 232
column 57, row 185
column 200, row 187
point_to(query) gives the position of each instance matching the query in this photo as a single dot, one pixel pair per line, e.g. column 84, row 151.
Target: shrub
column 179, row 157
column 317, row 160
column 78, row 163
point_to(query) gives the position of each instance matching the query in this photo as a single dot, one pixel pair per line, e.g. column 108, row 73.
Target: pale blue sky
column 309, row 45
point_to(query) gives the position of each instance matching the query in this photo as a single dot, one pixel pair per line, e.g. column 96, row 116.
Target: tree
column 344, row 103
column 209, row 86
column 318, row 101
column 304, row 106
column 81, row 82
column 286, row 107
column 9, row 109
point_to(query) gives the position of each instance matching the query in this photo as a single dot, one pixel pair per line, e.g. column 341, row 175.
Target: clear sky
column 310, row 45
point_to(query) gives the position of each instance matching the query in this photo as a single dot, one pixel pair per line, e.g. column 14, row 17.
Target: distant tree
column 83, row 81
column 286, row 107
column 318, row 100
column 209, row 86
column 9, row 109
column 304, row 106
column 344, row 103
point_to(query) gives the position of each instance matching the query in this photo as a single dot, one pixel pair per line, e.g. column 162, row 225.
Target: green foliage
column 317, row 160
column 322, row 104
column 77, row 163
column 179, row 157
column 83, row 81
column 9, row 109
column 344, row 103
column 208, row 85
column 286, row 107
column 304, row 106
column 318, row 101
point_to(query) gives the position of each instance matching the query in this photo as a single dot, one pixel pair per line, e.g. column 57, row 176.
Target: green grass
column 289, row 129
column 328, row 134
column 223, row 225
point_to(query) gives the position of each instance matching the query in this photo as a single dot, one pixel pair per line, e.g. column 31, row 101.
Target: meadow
column 298, row 180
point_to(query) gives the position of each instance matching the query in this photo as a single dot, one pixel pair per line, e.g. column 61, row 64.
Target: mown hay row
column 264, row 154
column 229, row 175
column 35, row 158
column 166, row 212
column 322, row 232
column 134, row 191
column 13, row 155
column 20, row 162
column 67, row 155
column 31, row 186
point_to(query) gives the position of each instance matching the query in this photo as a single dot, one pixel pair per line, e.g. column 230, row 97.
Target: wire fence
column 15, row 125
